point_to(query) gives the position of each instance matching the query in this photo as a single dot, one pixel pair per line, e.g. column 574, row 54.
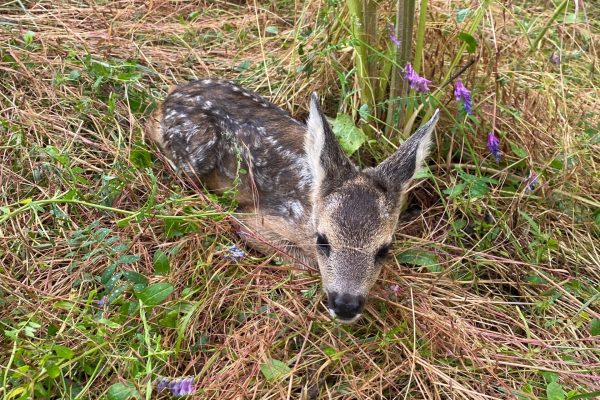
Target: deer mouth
column 344, row 320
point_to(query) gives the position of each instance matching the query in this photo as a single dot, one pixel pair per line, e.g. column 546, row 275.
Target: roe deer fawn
column 301, row 192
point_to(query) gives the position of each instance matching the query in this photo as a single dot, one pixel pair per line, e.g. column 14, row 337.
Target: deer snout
column 345, row 307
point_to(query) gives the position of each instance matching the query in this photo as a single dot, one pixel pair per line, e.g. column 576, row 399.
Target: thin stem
column 542, row 33
column 56, row 200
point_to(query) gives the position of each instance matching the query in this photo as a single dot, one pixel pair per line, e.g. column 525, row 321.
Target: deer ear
column 399, row 169
column 328, row 163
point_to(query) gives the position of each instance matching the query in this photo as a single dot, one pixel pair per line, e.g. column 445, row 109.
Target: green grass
column 115, row 272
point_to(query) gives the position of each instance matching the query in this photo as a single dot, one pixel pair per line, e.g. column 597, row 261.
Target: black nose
column 345, row 305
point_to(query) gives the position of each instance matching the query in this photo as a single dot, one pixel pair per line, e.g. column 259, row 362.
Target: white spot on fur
column 207, row 105
column 235, row 89
column 171, row 114
column 207, row 81
column 296, row 209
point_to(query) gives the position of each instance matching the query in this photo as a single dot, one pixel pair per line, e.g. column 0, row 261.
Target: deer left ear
column 328, row 163
column 399, row 169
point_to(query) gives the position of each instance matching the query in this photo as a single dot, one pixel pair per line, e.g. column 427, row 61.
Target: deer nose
column 345, row 307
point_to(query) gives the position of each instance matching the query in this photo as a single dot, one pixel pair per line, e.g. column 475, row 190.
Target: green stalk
column 362, row 13
column 398, row 87
column 540, row 36
column 131, row 214
column 419, row 47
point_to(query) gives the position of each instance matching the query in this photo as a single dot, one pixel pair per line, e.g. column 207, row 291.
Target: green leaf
column 549, row 376
column 63, row 352
column 135, row 277
column 28, row 37
column 572, row 18
column 52, row 369
column 140, row 158
column 595, row 327
column 454, row 191
column 170, row 320
column 128, row 259
column 364, row 112
column 273, row 30
column 422, row 258
column 161, row 263
column 469, row 40
column 518, row 150
column 74, row 74
column 332, row 353
column 274, row 370
column 462, row 14
column 348, row 135
column 243, row 66
column 554, row 391
column 122, row 391
column 155, row 293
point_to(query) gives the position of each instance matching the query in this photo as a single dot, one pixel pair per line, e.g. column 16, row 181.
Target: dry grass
column 509, row 311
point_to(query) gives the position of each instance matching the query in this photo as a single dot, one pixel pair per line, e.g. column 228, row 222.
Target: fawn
column 297, row 189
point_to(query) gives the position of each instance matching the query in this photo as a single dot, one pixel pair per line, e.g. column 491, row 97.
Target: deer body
column 297, row 189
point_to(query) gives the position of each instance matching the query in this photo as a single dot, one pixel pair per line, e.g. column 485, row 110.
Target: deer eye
column 382, row 252
column 323, row 244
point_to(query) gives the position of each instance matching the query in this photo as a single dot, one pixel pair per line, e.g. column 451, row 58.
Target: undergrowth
column 118, row 276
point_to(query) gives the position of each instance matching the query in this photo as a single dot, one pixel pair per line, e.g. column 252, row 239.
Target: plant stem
column 399, row 88
column 554, row 16
column 362, row 16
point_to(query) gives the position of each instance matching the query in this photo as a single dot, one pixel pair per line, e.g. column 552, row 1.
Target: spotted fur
column 299, row 192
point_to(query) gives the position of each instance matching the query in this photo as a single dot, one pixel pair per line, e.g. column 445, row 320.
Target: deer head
column 355, row 212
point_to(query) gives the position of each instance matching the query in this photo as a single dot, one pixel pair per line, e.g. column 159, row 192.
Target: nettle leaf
column 155, row 294
column 469, row 40
column 122, row 391
column 274, row 370
column 422, row 258
column 348, row 135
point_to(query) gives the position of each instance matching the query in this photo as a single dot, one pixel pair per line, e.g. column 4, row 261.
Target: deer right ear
column 400, row 168
column 328, row 163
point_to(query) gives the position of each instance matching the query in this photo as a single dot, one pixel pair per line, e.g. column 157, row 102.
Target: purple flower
column 395, row 289
column 235, row 252
column 415, row 81
column 555, row 58
column 493, row 145
column 182, row 387
column 178, row 387
column 102, row 302
column 531, row 182
column 461, row 93
column 393, row 36
column 161, row 384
